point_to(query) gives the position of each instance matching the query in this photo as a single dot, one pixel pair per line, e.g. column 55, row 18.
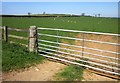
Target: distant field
column 109, row 25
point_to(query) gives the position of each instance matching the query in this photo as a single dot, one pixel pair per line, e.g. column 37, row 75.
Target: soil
column 46, row 72
column 41, row 72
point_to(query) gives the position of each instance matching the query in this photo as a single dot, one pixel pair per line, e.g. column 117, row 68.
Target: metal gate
column 81, row 50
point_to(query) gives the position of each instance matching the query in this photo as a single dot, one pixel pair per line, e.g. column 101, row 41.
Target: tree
column 29, row 13
column 99, row 15
column 43, row 12
column 83, row 14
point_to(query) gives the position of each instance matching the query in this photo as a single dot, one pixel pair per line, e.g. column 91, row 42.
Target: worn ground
column 41, row 72
column 46, row 72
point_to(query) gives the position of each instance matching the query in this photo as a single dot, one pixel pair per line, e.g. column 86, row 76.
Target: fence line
column 19, row 43
column 99, row 33
column 18, row 37
column 6, row 33
column 79, row 47
column 103, row 61
column 20, row 30
column 30, row 39
column 80, row 39
column 80, row 59
column 98, row 54
column 101, row 64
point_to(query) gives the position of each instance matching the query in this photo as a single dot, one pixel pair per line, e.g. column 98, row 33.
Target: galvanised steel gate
column 103, row 60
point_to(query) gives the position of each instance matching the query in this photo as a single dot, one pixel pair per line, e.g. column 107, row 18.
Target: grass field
column 109, row 25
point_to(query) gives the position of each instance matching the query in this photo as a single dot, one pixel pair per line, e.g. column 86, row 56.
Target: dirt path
column 42, row 72
column 46, row 72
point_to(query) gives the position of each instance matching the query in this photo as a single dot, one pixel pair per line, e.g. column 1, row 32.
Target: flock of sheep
column 71, row 21
column 67, row 21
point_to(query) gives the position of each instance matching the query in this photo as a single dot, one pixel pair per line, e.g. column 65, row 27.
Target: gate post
column 33, row 39
column 5, row 33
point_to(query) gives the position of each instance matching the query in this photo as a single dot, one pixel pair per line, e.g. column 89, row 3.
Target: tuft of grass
column 70, row 73
column 16, row 57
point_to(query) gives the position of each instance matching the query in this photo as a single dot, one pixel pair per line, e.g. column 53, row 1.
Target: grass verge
column 16, row 57
column 70, row 73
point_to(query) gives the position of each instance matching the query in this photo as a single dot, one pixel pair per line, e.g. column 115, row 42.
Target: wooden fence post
column 5, row 33
column 33, row 39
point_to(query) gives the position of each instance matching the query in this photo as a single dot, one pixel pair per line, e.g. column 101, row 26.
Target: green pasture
column 109, row 25
column 94, row 24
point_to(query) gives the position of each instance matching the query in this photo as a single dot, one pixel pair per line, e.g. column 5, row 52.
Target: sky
column 60, row 0
column 106, row 9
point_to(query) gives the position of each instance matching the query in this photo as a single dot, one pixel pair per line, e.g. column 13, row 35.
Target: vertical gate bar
column 57, row 40
column 82, row 44
column 37, row 40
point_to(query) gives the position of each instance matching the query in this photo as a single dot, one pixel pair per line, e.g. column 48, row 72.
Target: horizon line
column 65, row 14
